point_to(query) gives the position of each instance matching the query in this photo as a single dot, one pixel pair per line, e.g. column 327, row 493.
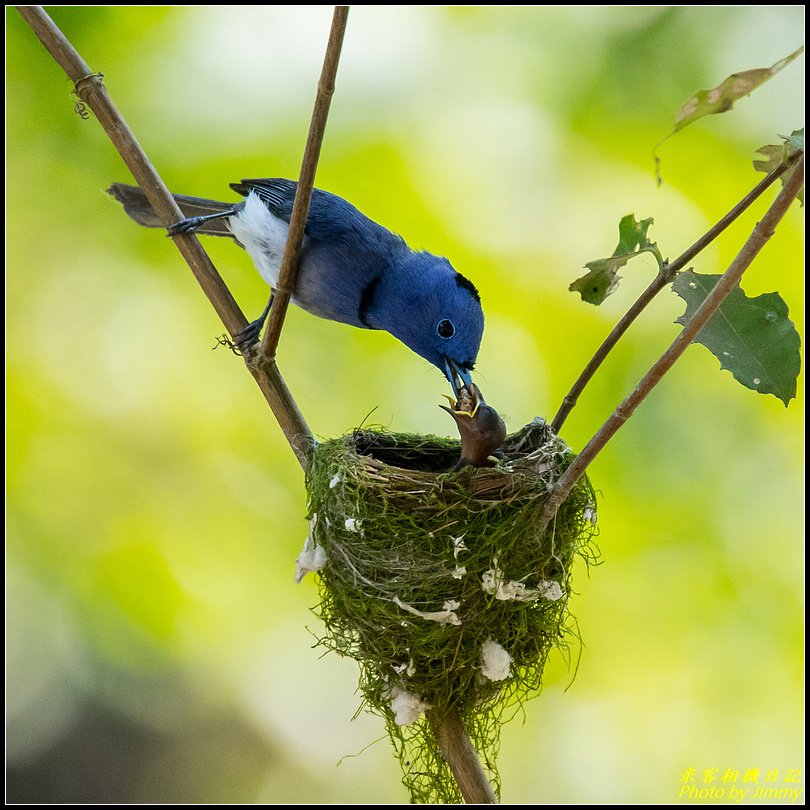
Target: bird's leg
column 190, row 224
column 250, row 334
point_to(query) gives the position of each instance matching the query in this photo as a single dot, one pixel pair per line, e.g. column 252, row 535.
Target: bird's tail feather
column 138, row 208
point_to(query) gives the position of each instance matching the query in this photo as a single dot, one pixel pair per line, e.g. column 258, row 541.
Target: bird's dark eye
column 446, row 329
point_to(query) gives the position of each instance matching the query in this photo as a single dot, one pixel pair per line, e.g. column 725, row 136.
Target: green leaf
column 602, row 277
column 776, row 154
column 721, row 99
column 753, row 338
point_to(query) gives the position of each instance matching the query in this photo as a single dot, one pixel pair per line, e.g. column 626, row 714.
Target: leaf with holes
column 753, row 338
column 721, row 99
column 603, row 277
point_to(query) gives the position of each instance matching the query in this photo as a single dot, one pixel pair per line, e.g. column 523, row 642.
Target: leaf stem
column 756, row 241
column 665, row 276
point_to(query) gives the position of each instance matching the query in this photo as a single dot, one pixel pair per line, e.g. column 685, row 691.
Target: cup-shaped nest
column 440, row 583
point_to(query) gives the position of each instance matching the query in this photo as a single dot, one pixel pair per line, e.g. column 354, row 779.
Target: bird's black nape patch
column 463, row 281
column 367, row 300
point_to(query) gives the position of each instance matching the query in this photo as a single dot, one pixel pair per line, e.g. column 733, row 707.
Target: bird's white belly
column 264, row 236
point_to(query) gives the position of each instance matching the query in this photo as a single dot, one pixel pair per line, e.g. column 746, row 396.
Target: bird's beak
column 457, row 376
column 468, row 406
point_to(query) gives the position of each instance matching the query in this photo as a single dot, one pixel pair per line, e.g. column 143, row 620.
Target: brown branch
column 665, row 275
column 730, row 279
column 461, row 757
column 306, row 180
column 90, row 88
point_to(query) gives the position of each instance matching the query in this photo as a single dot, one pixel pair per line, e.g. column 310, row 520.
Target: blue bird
column 351, row 269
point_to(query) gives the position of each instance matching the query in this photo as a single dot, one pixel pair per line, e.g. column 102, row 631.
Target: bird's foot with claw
column 244, row 343
column 249, row 336
column 184, row 226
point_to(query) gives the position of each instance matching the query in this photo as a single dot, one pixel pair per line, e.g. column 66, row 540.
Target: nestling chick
column 481, row 428
column 351, row 269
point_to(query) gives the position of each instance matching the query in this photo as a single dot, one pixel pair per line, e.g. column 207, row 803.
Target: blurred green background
column 157, row 647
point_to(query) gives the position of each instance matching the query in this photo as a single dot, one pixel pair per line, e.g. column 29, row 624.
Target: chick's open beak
column 467, row 403
column 481, row 429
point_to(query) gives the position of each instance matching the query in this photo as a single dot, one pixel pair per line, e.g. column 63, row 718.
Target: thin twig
column 730, row 279
column 665, row 275
column 306, row 180
column 461, row 757
column 90, row 88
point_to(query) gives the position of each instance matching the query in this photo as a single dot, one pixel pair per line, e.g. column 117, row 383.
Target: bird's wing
column 275, row 192
column 330, row 219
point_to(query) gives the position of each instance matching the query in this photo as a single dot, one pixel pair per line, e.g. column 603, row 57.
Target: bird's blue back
column 357, row 272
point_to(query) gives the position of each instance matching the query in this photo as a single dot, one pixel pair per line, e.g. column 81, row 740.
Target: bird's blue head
column 437, row 313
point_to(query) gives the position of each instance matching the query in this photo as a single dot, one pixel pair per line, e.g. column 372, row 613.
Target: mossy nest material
column 439, row 584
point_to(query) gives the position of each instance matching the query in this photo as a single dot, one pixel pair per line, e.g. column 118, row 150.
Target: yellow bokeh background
column 158, row 649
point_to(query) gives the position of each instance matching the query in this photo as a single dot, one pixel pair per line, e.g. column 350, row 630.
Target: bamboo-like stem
column 665, row 275
column 461, row 757
column 729, row 280
column 303, row 193
column 90, row 88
